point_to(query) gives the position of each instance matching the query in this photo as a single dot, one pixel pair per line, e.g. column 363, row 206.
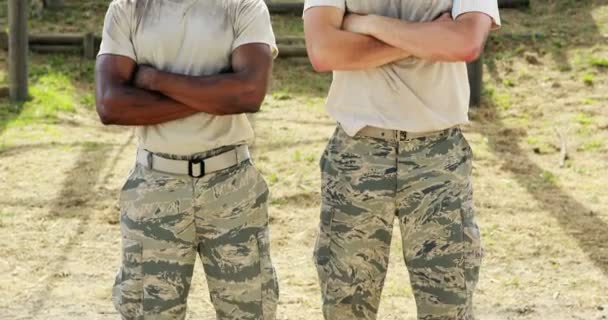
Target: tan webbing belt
column 397, row 135
column 194, row 168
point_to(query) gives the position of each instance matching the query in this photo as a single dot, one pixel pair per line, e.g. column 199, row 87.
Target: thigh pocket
column 322, row 251
column 129, row 290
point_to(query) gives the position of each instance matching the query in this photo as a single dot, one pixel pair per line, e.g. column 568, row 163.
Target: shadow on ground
column 575, row 219
column 74, row 201
column 563, row 26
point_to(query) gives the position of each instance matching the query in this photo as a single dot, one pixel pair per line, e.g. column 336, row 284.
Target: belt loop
column 150, row 159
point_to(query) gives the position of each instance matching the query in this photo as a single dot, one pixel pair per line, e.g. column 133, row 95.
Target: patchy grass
column 588, row 79
column 501, row 98
column 588, row 101
column 593, row 145
column 53, row 91
column 599, row 62
column 584, row 119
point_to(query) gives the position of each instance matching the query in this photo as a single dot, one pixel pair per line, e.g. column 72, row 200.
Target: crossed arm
column 355, row 42
column 132, row 95
column 330, row 47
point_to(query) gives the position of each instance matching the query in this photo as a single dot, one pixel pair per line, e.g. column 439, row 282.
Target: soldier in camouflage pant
column 167, row 219
column 425, row 184
column 185, row 75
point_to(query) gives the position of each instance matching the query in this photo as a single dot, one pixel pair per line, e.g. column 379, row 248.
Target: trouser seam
column 261, row 271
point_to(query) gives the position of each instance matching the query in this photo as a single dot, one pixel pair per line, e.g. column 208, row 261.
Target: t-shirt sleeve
column 489, row 7
column 341, row 4
column 253, row 25
column 116, row 35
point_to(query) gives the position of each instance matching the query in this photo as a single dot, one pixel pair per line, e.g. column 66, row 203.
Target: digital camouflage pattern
column 167, row 219
column 425, row 184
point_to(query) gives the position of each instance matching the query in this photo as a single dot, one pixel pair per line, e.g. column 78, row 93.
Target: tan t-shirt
column 190, row 37
column 413, row 94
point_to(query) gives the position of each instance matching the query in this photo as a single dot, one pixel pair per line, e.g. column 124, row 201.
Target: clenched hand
column 145, row 77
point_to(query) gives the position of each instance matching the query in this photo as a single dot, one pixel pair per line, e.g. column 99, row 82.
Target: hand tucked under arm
column 330, row 47
column 439, row 40
column 240, row 91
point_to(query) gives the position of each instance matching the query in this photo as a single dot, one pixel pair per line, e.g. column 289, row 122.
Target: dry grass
column 544, row 226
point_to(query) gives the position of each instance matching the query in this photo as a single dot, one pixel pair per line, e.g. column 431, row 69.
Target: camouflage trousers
column 166, row 220
column 422, row 183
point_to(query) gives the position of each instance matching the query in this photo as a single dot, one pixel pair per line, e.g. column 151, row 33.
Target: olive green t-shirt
column 412, row 94
column 189, row 37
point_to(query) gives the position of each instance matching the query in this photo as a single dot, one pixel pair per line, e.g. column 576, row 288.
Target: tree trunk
column 17, row 49
column 475, row 70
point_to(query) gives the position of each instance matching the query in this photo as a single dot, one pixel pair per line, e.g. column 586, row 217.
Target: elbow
column 105, row 111
column 472, row 54
column 105, row 116
column 470, row 51
column 318, row 64
column 467, row 51
column 255, row 104
column 251, row 97
column 319, row 60
column 251, row 106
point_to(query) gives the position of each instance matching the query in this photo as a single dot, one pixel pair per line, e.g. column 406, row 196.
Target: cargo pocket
column 129, row 290
column 322, row 251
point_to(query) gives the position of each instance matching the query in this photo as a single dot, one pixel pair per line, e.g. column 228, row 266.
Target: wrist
column 370, row 27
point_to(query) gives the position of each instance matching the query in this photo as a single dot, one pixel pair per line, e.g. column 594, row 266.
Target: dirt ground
column 544, row 226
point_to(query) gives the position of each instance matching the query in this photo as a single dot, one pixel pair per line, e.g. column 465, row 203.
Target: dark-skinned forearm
column 221, row 94
column 130, row 106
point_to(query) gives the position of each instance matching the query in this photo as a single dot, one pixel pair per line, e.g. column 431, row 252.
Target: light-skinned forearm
column 460, row 40
column 331, row 47
column 343, row 50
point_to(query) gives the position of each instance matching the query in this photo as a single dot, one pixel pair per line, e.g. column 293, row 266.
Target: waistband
column 196, row 168
column 399, row 135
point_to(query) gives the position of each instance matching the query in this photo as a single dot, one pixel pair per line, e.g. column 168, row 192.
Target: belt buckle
column 192, row 163
column 402, row 135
